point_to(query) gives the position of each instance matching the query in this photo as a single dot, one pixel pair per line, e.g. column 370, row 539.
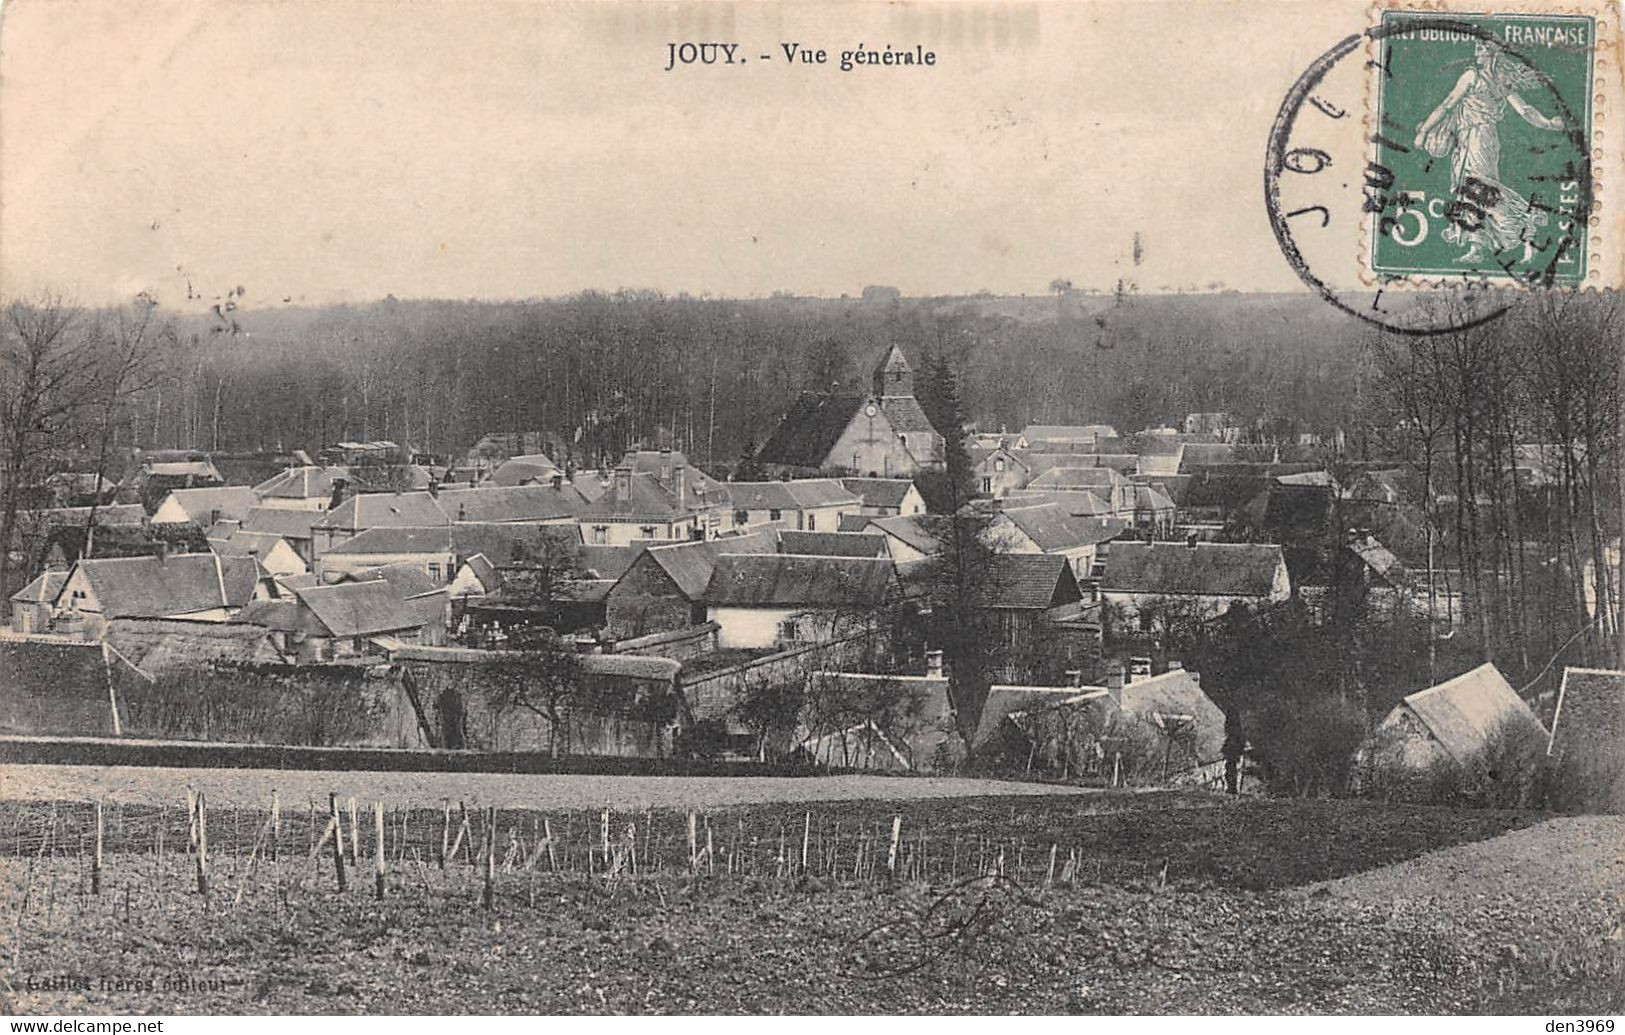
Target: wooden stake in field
column 693, row 844
column 202, row 826
column 603, row 828
column 547, row 831
column 338, row 839
column 276, row 823
column 896, row 839
column 355, row 835
column 806, row 839
column 445, row 834
column 1049, row 878
column 96, row 861
column 378, row 850
column 191, row 819
column 490, row 856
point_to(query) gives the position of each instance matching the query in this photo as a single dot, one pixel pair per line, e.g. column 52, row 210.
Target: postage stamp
column 1481, row 161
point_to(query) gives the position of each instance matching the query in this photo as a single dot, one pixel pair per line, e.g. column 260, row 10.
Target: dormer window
column 998, row 465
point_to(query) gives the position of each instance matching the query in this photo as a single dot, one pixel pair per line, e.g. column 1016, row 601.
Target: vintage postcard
column 935, row 507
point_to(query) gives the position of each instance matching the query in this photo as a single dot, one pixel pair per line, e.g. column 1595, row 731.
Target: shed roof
column 833, row 544
column 1205, row 569
column 515, row 503
column 360, row 608
column 879, row 492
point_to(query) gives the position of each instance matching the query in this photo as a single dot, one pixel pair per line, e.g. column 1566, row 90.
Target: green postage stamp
column 1482, row 165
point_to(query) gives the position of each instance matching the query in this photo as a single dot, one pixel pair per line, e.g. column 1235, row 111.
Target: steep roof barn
column 1027, row 582
column 1463, row 714
column 810, row 429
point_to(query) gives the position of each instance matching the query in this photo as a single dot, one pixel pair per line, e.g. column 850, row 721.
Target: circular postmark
column 1441, row 195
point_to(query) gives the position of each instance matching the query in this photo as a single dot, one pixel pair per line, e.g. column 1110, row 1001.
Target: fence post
column 378, row 849
column 896, row 835
column 490, row 855
column 547, row 831
column 693, row 844
column 355, row 835
column 276, row 823
column 806, row 838
column 338, row 839
column 202, row 845
column 96, row 861
column 445, row 833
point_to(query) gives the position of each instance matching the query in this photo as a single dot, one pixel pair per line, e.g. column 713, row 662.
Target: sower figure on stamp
column 1465, row 127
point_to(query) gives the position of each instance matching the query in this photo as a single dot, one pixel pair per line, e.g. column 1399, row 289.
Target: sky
column 345, row 151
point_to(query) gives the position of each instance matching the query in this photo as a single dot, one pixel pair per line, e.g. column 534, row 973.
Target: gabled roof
column 43, row 589
column 1149, row 497
column 772, row 495
column 513, row 503
column 500, row 542
column 280, row 521
column 484, row 573
column 1007, row 702
column 153, row 587
column 810, row 429
column 879, row 492
column 1378, row 558
column 610, row 562
column 302, row 483
column 644, row 500
column 1164, row 700
column 390, row 539
column 1027, row 582
column 181, row 469
column 157, row 646
column 690, row 565
column 832, row 544
column 907, row 529
column 1076, row 502
column 1067, row 432
column 857, row 522
column 200, row 504
column 407, row 580
column 1464, row 713
column 697, row 484
column 1079, row 478
column 384, row 510
column 1205, row 569
column 1205, row 453
column 359, row 608
column 822, row 492
column 1052, row 528
column 780, row 580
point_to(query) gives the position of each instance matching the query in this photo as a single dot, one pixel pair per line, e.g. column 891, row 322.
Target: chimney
column 1114, row 681
column 623, row 482
column 933, row 663
column 682, row 488
column 558, row 481
column 665, row 467
column 1190, row 541
column 162, row 552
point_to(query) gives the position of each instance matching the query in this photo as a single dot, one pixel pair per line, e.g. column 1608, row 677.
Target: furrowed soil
column 1102, row 903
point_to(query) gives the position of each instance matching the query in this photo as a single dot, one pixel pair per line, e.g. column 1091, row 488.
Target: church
column 884, row 434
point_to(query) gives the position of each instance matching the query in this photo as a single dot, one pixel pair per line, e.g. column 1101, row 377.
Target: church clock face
column 869, row 411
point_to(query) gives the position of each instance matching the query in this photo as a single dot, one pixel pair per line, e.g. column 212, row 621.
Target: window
column 775, row 515
column 987, row 484
column 434, row 572
column 740, row 517
column 789, row 629
column 812, row 522
column 998, row 465
column 600, row 534
column 647, row 531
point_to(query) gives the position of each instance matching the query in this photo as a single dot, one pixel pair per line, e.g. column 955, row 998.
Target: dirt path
column 136, row 785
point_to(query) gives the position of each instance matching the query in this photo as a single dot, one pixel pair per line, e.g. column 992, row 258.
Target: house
column 1453, row 737
column 374, row 510
column 1154, row 512
column 1158, row 456
column 430, row 599
column 307, row 487
column 346, row 620
column 767, row 600
column 999, row 472
column 1587, row 742
column 915, row 731
column 1204, row 578
column 1189, row 727
column 885, row 497
column 1050, row 529
column 294, row 526
column 807, row 504
column 203, row 507
column 276, row 557
column 1214, row 424
column 663, row 588
column 636, row 507
column 1076, row 502
column 1031, row 596
column 1110, row 485
column 476, row 577
column 32, row 607
column 690, row 487
column 497, row 446
column 199, row 586
column 163, row 471
column 1080, row 438
column 908, row 539
column 69, row 543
